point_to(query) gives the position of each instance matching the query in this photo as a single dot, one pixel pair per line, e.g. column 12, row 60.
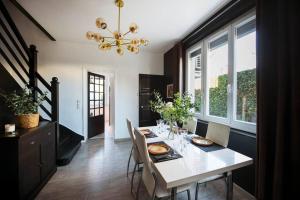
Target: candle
column 9, row 128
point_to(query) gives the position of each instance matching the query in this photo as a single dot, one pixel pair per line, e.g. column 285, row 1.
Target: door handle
column 142, row 106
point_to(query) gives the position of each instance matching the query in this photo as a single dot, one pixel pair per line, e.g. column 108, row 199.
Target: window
column 195, row 62
column 217, row 76
column 222, row 75
column 245, row 72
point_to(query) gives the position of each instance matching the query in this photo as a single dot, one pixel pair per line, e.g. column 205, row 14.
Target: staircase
column 17, row 57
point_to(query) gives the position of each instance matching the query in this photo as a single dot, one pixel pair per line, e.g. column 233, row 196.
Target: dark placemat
column 213, row 147
column 151, row 135
column 171, row 155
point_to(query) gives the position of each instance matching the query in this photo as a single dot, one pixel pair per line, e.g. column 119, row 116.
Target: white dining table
column 195, row 164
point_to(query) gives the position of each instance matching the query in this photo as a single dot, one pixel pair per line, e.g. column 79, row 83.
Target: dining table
column 195, row 164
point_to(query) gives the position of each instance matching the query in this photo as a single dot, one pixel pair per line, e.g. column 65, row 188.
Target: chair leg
column 138, row 189
column 196, row 193
column 129, row 161
column 133, row 176
column 189, row 194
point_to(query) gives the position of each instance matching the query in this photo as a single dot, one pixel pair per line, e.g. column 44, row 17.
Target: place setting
column 160, row 151
column 204, row 144
column 148, row 133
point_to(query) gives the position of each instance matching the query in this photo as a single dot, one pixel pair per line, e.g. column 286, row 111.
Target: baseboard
column 244, row 192
column 121, row 140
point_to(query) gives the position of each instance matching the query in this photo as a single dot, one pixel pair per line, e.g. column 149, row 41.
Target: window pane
column 217, row 76
column 97, row 88
column 245, row 72
column 195, row 62
column 91, row 104
column 91, row 95
column 97, row 96
column 91, row 79
column 101, row 81
column 97, row 112
column 97, row 104
column 92, row 113
column 91, row 87
column 97, row 80
column 101, row 111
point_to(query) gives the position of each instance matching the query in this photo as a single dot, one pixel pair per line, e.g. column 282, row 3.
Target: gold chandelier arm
column 126, row 33
column 109, row 30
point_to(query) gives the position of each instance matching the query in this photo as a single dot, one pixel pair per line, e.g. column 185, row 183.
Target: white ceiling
column 163, row 22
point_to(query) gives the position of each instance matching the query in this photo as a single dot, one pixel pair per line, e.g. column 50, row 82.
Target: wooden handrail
column 43, row 81
column 14, row 41
column 46, row 111
column 12, row 66
column 13, row 54
column 14, row 27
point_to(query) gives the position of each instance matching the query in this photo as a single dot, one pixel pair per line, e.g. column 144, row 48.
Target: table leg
column 174, row 193
column 229, row 186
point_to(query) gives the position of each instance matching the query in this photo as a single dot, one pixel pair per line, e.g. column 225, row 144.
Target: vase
column 171, row 135
column 28, row 120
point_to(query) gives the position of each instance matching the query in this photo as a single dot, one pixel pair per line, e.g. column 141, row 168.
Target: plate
column 145, row 131
column 158, row 149
column 201, row 141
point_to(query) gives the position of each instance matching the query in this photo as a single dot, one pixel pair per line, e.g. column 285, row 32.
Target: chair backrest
column 147, row 176
column 191, row 125
column 130, row 130
column 136, row 155
column 218, row 133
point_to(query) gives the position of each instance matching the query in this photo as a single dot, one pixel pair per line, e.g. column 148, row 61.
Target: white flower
column 169, row 104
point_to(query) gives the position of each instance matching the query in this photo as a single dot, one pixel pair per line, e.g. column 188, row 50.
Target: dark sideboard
column 28, row 160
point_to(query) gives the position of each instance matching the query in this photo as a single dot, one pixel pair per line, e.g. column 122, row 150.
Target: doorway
column 96, row 104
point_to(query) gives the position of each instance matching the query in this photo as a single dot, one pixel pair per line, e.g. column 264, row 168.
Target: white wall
column 69, row 62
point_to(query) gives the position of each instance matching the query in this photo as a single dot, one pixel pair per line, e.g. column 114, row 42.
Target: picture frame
column 170, row 91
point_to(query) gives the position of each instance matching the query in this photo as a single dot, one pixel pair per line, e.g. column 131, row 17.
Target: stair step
column 68, row 150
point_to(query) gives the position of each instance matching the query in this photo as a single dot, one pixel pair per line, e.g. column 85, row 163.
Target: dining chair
column 191, row 125
column 219, row 134
column 152, row 182
column 133, row 153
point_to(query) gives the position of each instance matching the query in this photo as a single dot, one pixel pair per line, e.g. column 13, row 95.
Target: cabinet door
column 29, row 164
column 48, row 159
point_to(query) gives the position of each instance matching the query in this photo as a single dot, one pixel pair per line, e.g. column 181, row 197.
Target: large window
column 222, row 75
column 217, row 76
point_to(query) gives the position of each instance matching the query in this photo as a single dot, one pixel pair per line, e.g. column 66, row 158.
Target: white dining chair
column 191, row 125
column 152, row 182
column 219, row 134
column 133, row 153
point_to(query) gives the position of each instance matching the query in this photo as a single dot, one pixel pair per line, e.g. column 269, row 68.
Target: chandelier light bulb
column 133, row 28
column 120, row 51
column 98, row 37
column 144, row 42
column 90, row 35
column 117, row 35
column 100, row 23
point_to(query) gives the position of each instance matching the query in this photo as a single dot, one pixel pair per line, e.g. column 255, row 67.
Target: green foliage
column 198, row 100
column 218, row 97
column 22, row 102
column 177, row 111
column 246, row 94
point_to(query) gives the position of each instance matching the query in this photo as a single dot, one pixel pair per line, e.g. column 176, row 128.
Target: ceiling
column 163, row 22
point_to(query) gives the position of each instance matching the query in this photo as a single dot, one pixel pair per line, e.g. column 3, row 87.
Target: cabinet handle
column 32, row 142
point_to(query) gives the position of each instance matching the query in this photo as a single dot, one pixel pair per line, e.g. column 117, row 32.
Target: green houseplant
column 174, row 113
column 24, row 107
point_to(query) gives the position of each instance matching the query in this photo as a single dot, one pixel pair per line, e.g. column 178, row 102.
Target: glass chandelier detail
column 118, row 39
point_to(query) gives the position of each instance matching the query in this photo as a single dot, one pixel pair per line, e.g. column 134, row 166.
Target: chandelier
column 118, row 39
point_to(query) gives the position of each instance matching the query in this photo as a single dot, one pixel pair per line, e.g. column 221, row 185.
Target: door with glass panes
column 95, row 104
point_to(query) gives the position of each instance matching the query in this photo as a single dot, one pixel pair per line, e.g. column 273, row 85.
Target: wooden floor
column 98, row 171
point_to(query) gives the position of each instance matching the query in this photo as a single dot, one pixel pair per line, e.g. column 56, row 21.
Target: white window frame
column 232, row 85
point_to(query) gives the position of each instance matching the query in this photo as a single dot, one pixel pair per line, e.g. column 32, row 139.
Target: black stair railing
column 24, row 63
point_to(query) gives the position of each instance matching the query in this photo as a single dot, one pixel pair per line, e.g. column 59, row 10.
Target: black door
column 95, row 104
column 147, row 84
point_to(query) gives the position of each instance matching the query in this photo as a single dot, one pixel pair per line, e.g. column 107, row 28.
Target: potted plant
column 24, row 107
column 174, row 113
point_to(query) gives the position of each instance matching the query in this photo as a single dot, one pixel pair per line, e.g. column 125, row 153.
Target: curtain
column 278, row 101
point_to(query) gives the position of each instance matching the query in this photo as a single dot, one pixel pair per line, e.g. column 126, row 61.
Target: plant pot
column 28, row 120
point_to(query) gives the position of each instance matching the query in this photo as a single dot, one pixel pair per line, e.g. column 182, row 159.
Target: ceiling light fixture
column 118, row 39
